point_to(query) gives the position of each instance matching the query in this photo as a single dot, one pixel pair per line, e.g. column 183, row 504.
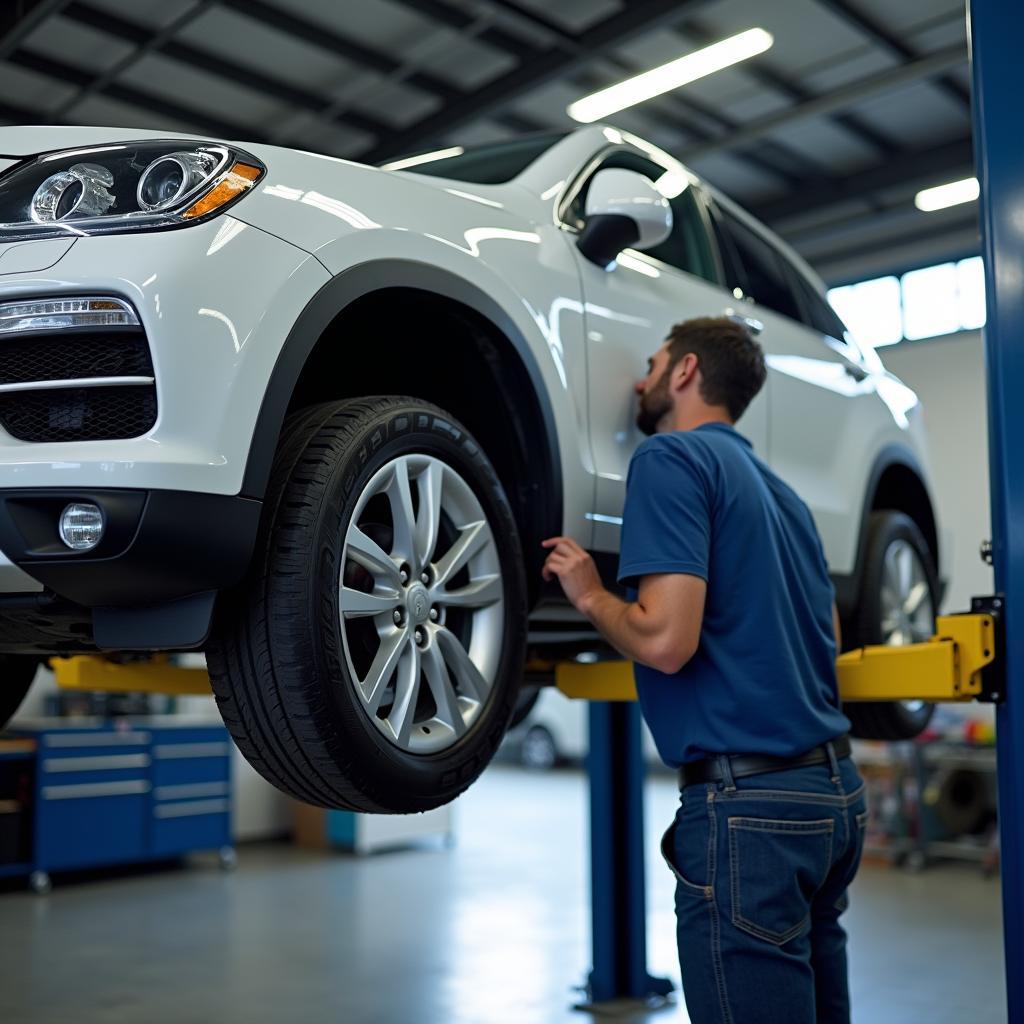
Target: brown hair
column 731, row 363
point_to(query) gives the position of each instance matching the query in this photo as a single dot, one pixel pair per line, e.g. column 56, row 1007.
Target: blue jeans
column 762, row 868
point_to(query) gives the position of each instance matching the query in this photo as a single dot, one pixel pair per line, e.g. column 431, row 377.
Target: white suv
column 315, row 418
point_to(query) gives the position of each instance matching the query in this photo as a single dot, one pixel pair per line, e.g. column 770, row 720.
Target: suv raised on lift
column 315, row 418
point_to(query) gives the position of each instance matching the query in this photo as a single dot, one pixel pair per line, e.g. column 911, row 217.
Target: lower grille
column 84, row 379
column 78, row 414
column 73, row 355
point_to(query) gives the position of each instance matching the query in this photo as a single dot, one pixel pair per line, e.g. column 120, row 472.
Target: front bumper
column 158, row 546
column 149, row 584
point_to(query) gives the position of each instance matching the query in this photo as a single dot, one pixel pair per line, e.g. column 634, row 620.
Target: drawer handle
column 130, row 787
column 97, row 739
column 190, row 790
column 187, row 810
column 109, row 763
column 169, row 751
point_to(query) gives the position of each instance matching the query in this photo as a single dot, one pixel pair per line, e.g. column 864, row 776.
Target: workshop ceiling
column 826, row 136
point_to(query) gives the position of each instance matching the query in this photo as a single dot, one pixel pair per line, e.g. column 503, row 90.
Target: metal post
column 617, row 879
column 996, row 29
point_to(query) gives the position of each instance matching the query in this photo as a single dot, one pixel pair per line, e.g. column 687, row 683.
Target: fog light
column 81, row 525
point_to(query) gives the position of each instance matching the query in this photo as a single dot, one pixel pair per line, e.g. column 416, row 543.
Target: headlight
column 116, row 188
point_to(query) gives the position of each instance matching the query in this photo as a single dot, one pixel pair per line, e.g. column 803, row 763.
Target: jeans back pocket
column 775, row 868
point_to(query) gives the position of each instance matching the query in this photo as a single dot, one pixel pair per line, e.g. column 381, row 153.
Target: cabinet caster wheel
column 227, row 858
column 916, row 861
column 39, row 882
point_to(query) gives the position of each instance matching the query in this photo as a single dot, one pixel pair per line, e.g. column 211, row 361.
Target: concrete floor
column 493, row 930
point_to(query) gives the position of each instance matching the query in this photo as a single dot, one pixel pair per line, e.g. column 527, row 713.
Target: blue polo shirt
column 763, row 680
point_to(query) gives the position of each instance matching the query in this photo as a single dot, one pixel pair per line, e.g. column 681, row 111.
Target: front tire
column 899, row 598
column 372, row 659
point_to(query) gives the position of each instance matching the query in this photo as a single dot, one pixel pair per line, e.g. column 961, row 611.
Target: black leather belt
column 711, row 769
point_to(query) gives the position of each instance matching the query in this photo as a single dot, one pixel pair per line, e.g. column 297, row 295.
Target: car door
column 820, row 395
column 628, row 311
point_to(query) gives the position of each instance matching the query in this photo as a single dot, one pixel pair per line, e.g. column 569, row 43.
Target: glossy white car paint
column 218, row 299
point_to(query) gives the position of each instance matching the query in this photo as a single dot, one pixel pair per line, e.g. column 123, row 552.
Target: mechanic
column 731, row 623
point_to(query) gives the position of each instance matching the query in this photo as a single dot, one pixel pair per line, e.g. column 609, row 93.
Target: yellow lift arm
column 155, row 674
column 949, row 667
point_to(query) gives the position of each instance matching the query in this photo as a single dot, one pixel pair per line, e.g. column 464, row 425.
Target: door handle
column 858, row 373
column 753, row 325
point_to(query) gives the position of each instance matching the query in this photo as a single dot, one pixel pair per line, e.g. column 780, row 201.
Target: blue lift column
column 996, row 29
column 618, row 903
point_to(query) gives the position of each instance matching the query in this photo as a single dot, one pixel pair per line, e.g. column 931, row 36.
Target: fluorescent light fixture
column 423, row 158
column 670, row 76
column 951, row 194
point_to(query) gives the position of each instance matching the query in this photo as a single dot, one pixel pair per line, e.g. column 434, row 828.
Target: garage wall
column 948, row 375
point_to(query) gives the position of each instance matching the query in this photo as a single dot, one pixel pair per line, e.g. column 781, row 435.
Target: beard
column 655, row 405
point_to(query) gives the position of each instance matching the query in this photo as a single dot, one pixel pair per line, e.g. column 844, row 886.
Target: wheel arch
column 896, row 483
column 497, row 390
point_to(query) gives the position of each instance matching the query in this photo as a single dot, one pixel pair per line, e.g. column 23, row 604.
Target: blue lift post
column 996, row 30
column 618, row 904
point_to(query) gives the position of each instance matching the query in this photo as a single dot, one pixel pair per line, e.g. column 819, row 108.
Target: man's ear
column 683, row 372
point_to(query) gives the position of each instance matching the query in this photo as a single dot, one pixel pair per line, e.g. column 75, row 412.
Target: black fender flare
column 848, row 587
column 329, row 302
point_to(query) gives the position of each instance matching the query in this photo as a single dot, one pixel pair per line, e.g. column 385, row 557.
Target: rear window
column 480, row 165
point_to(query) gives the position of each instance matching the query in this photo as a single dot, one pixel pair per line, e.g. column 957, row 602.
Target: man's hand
column 575, row 570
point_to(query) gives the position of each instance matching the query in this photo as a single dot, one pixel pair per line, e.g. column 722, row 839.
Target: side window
column 688, row 247
column 759, row 268
column 821, row 316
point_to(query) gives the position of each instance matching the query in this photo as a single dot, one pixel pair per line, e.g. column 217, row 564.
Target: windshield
column 480, row 165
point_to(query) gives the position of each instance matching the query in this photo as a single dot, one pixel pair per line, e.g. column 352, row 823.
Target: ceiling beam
column 462, row 20
column 150, row 43
column 207, row 124
column 910, row 168
column 318, row 34
column 760, row 70
column 213, row 63
column 776, row 161
column 639, row 17
column 896, row 252
column 832, row 102
column 875, row 31
column 20, row 18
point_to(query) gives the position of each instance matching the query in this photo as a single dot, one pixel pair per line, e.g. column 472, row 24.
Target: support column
column 617, row 876
column 996, row 30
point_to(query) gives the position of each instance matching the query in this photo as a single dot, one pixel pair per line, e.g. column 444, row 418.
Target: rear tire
column 538, row 752
column 343, row 684
column 896, row 552
column 17, row 671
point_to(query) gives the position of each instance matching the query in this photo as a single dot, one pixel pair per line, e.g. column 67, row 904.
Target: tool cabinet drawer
column 181, row 825
column 87, row 824
column 178, row 764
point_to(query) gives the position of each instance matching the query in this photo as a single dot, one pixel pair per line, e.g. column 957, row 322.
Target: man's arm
column 660, row 629
column 837, row 628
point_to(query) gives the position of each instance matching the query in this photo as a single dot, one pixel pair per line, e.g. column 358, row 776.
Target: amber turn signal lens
column 233, row 182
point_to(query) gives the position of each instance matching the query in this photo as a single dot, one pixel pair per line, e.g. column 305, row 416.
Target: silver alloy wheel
column 410, row 603
column 908, row 614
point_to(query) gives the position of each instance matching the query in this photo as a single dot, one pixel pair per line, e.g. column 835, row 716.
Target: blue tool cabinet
column 129, row 791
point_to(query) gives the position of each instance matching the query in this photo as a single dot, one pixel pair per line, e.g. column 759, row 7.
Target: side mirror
column 623, row 209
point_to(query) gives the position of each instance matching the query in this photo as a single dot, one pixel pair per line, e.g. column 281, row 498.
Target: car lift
column 961, row 662
column 971, row 657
